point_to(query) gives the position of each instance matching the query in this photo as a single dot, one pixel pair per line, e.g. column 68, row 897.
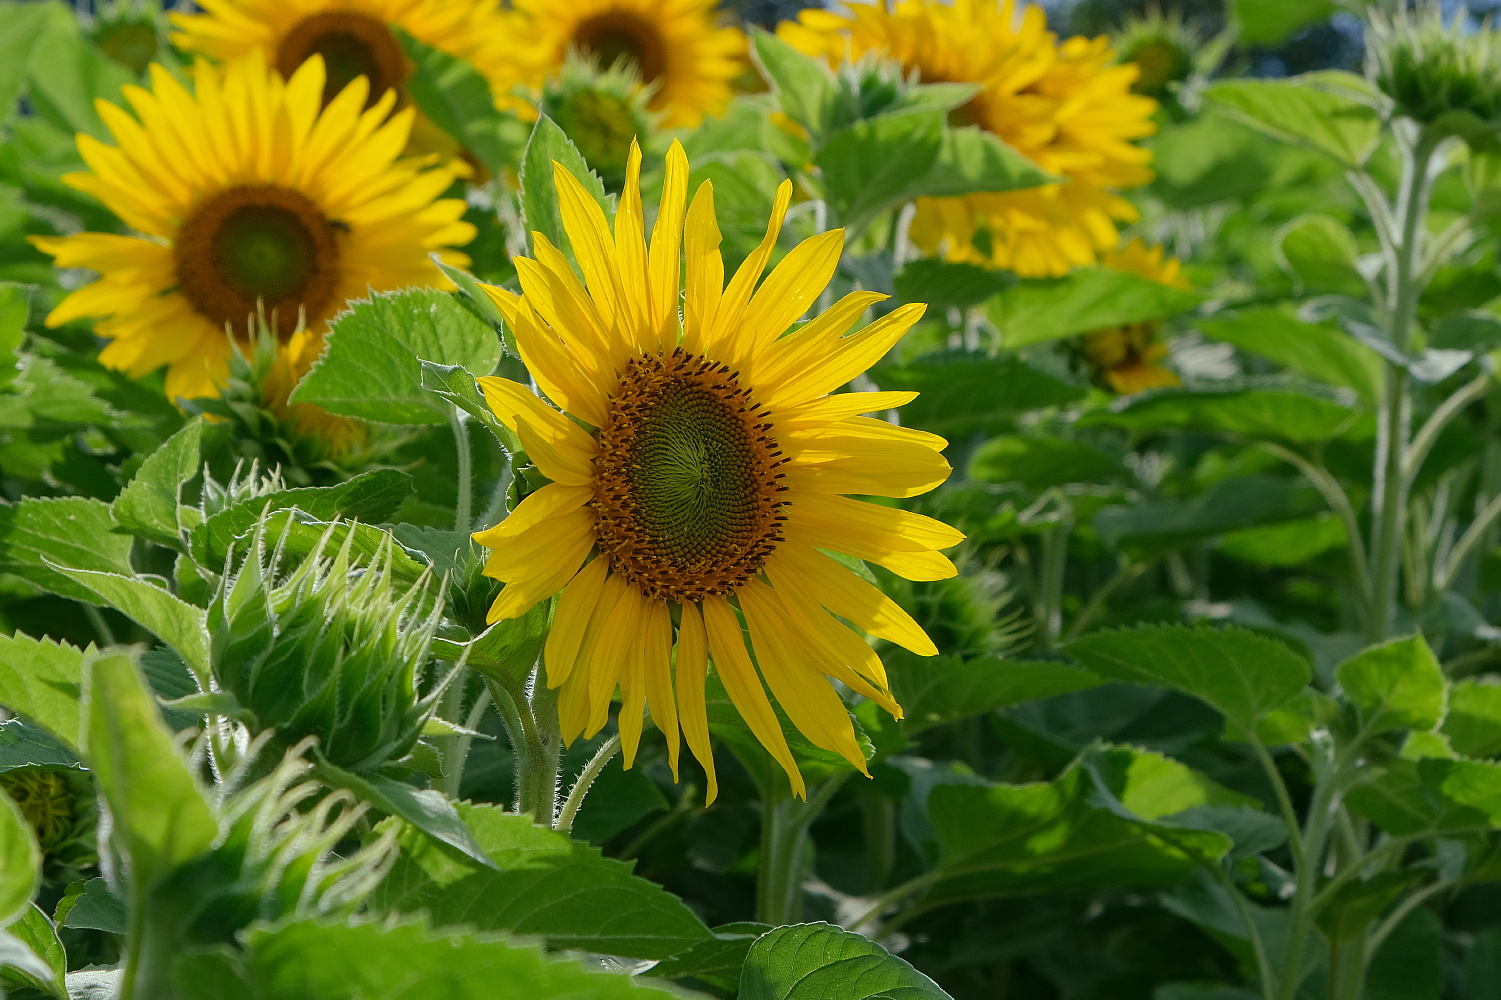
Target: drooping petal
column 690, row 675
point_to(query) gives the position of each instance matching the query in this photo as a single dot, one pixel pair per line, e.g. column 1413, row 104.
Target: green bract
column 1445, row 77
column 334, row 649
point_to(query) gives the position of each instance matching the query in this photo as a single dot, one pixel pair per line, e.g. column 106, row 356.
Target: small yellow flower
column 1068, row 107
column 679, row 47
column 697, row 467
column 1124, row 357
column 245, row 194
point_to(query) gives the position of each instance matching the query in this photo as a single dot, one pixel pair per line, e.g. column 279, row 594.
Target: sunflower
column 682, row 53
column 1068, row 107
column 245, row 195
column 1125, row 358
column 696, row 468
column 354, row 37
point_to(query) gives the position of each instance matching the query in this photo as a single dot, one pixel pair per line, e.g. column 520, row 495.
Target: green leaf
column 24, row 24
column 1253, row 414
column 539, row 196
column 371, row 367
column 456, row 98
column 1396, row 685
column 506, row 650
column 42, row 681
column 1236, row 502
column 718, row 961
column 1399, row 801
column 1009, row 840
column 935, row 690
column 20, row 861
column 425, row 809
column 1475, row 784
column 1471, row 330
column 370, row 496
column 819, row 961
column 1269, row 22
column 542, row 883
column 69, row 531
column 944, row 285
column 1092, row 298
column 1040, row 462
column 158, row 817
column 1242, row 675
column 36, row 932
column 962, row 390
column 312, row 960
column 1292, row 543
column 172, row 620
column 1322, row 351
column 68, row 73
column 1473, row 723
column 1319, row 253
column 455, row 384
column 148, row 504
column 1322, row 112
column 972, row 161
column 804, row 87
column 24, row 745
column 15, row 304
column 92, row 907
column 876, row 164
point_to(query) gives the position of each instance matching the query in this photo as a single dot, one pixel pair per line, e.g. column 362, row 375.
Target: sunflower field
column 610, row 499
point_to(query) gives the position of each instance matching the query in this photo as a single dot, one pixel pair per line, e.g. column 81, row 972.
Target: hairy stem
column 584, row 782
column 784, row 836
column 461, row 511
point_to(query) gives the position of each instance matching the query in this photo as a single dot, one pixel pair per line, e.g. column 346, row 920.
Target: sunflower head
column 1126, row 359
column 696, row 466
column 601, row 111
column 678, row 48
column 283, row 209
column 1437, row 75
column 333, row 649
column 1066, row 105
column 1161, row 47
column 45, row 800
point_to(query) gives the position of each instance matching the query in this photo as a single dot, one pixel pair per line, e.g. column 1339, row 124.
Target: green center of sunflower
column 686, row 483
column 45, row 802
column 617, row 35
column 258, row 246
column 352, row 45
column 602, row 127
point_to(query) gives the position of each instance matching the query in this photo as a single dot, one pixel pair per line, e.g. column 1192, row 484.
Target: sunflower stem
column 461, row 511
column 584, row 782
column 784, row 841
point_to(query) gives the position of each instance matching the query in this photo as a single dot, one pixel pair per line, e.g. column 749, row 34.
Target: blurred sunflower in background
column 1127, row 358
column 697, row 463
column 353, row 37
column 248, row 199
column 1068, row 107
column 683, row 52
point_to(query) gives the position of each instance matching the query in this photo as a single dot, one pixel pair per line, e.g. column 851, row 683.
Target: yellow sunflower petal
column 800, row 570
column 791, row 287
column 691, row 672
column 730, row 315
column 571, row 619
column 705, row 269
column 561, row 449
column 656, row 664
column 667, row 242
column 551, row 500
column 743, row 684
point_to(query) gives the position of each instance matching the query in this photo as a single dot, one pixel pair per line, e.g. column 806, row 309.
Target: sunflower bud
column 1162, row 47
column 601, row 111
column 129, row 33
column 1444, row 78
column 61, row 809
column 331, row 650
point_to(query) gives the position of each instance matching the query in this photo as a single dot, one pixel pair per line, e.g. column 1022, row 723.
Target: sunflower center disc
column 607, row 37
column 257, row 244
column 351, row 45
column 686, row 484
